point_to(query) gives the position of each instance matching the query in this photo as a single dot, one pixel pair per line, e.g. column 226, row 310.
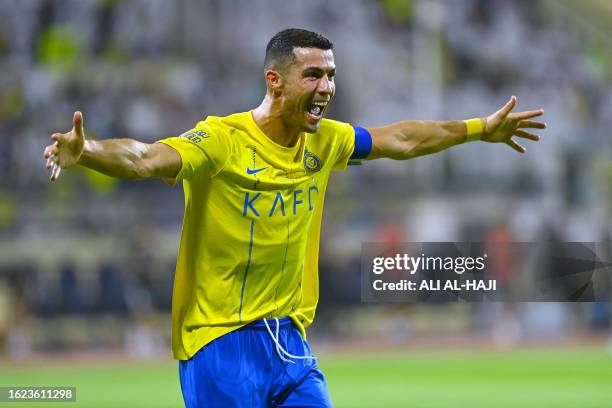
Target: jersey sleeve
column 345, row 145
column 204, row 151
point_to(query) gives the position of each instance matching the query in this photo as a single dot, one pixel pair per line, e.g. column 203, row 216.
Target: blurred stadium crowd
column 89, row 261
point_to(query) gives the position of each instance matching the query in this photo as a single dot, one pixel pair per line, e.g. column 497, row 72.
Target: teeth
column 316, row 108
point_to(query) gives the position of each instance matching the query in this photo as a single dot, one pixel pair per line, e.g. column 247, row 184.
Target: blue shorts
column 244, row 368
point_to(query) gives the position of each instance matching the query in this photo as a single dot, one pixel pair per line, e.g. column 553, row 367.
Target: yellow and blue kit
column 250, row 238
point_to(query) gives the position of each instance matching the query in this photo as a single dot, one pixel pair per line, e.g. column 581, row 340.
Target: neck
column 268, row 118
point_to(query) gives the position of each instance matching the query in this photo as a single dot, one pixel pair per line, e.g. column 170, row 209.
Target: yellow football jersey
column 250, row 240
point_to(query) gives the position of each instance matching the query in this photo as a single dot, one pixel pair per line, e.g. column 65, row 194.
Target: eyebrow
column 318, row 70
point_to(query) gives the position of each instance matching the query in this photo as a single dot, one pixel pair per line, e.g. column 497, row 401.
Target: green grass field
column 555, row 378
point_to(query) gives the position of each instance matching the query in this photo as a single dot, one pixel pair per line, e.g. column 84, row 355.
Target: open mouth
column 317, row 108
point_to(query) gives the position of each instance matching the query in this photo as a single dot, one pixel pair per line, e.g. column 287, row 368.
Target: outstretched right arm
column 122, row 158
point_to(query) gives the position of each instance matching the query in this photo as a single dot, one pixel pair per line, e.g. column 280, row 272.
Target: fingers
column 57, row 138
column 531, row 124
column 527, row 114
column 526, row 135
column 77, row 123
column 505, row 110
column 516, row 146
column 55, row 172
column 51, row 161
column 51, row 150
column 51, row 154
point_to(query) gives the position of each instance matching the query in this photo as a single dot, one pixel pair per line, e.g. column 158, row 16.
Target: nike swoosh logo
column 253, row 171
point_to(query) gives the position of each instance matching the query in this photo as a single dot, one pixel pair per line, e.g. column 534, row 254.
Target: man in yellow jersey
column 246, row 283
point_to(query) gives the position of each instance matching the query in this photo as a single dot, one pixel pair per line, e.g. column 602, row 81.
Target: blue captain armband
column 363, row 146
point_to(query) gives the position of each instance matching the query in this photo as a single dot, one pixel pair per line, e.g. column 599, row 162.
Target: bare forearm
column 412, row 138
column 120, row 158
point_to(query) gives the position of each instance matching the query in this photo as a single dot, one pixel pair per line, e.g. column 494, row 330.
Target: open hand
column 67, row 147
column 502, row 125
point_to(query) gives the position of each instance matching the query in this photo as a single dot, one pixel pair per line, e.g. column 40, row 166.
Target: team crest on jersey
column 311, row 162
column 195, row 136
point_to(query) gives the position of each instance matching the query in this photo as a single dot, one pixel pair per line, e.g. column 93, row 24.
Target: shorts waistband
column 261, row 325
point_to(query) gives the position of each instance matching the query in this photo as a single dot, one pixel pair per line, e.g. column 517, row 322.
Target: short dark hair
column 280, row 47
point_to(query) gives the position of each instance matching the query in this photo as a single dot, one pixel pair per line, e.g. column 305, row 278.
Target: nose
column 326, row 86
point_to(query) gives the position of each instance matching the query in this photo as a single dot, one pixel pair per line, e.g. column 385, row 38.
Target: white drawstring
column 282, row 353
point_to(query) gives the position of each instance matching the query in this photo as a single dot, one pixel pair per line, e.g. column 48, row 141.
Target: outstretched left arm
column 412, row 138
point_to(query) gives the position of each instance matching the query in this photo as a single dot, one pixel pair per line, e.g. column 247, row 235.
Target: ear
column 274, row 81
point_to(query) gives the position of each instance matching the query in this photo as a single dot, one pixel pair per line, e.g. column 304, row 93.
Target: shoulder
column 236, row 121
column 333, row 139
column 225, row 126
column 213, row 124
column 220, row 127
column 333, row 134
column 330, row 126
